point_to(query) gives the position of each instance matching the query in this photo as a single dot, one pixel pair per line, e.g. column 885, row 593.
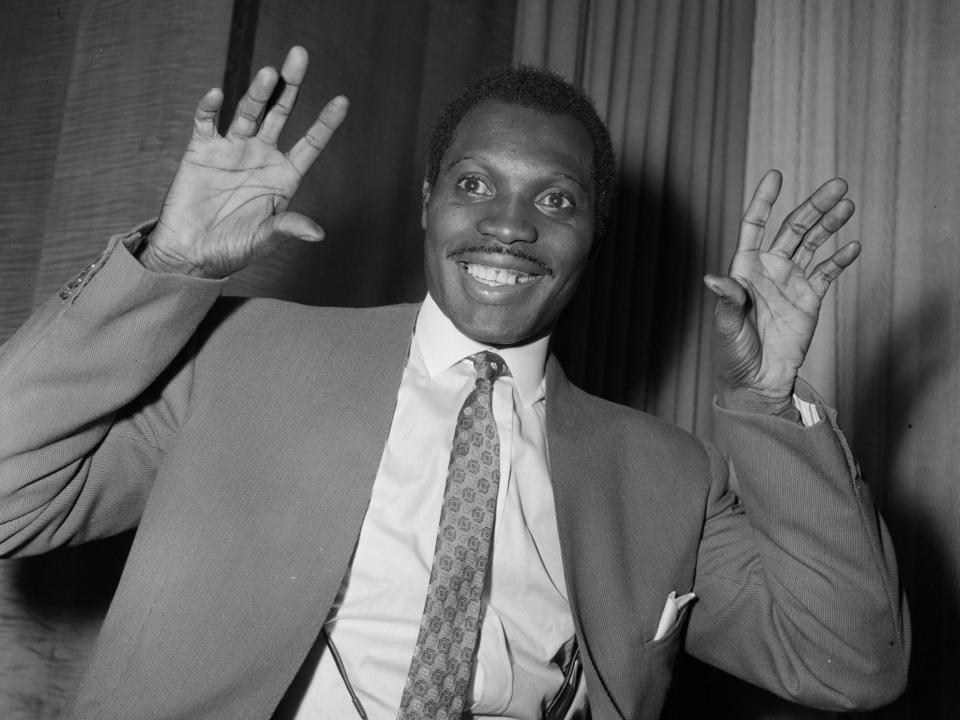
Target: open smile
column 500, row 267
column 497, row 276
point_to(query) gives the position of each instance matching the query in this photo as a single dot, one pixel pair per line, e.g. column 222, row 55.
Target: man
column 301, row 508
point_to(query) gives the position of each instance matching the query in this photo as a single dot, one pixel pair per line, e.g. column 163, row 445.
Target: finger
column 293, row 71
column 290, row 224
column 806, row 215
column 830, row 223
column 758, row 212
column 309, row 147
column 830, row 269
column 731, row 310
column 205, row 116
column 251, row 105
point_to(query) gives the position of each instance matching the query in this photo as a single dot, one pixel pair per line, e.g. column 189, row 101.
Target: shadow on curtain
column 672, row 81
column 868, row 90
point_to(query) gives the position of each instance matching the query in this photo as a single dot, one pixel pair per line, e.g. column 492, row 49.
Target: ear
column 424, row 199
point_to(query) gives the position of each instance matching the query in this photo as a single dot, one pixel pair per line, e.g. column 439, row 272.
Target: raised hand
column 226, row 205
column 769, row 304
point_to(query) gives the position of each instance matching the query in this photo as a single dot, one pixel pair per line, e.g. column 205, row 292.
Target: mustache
column 500, row 250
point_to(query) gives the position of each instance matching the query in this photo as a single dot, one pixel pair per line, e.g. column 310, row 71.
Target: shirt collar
column 443, row 346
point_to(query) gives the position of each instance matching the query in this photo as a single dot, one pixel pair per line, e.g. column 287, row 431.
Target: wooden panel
column 100, row 96
column 98, row 99
column 464, row 37
column 138, row 70
column 36, row 41
column 360, row 189
column 396, row 62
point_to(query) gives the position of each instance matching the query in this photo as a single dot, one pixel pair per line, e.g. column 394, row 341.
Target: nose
column 506, row 221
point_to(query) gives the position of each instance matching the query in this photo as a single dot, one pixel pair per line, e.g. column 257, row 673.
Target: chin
column 499, row 325
column 498, row 335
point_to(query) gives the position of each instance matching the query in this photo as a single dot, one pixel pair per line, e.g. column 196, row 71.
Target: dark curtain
column 868, row 90
column 702, row 97
column 672, row 80
column 98, row 96
column 397, row 62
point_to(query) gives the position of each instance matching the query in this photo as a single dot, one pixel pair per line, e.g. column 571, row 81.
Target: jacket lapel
column 341, row 432
column 255, row 512
column 570, row 462
column 629, row 502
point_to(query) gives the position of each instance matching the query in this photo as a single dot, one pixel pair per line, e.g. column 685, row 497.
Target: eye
column 474, row 185
column 556, row 200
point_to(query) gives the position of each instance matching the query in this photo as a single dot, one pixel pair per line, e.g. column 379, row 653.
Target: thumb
column 290, row 224
column 731, row 307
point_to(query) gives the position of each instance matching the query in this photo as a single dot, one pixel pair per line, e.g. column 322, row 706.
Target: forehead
column 495, row 128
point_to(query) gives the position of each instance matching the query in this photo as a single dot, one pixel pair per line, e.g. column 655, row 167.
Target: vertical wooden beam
column 236, row 76
column 397, row 62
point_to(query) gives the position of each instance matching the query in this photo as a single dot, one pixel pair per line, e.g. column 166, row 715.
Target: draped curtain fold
column 701, row 99
column 671, row 79
column 868, row 90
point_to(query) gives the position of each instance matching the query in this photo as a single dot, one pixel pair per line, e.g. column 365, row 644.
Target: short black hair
column 539, row 89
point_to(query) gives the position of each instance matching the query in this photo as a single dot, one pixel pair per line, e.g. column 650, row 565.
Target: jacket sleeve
column 796, row 581
column 92, row 387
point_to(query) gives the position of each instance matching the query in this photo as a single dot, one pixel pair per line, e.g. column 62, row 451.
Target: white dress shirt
column 526, row 621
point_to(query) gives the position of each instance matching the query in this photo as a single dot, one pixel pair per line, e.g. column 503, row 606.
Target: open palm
column 227, row 204
column 769, row 303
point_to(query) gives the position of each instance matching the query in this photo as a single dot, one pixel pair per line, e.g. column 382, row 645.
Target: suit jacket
column 242, row 437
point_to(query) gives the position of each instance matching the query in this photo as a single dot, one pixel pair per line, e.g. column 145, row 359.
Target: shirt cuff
column 136, row 239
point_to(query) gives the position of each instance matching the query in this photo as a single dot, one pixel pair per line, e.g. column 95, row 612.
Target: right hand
column 226, row 205
column 770, row 302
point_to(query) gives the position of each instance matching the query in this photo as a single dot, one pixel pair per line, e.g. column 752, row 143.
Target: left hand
column 769, row 304
column 227, row 205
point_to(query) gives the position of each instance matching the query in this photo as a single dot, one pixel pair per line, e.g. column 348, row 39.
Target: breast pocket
column 670, row 639
column 655, row 670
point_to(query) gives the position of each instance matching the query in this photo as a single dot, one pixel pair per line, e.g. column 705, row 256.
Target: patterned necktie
column 442, row 663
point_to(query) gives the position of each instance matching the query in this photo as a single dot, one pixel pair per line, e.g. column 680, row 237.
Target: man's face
column 509, row 222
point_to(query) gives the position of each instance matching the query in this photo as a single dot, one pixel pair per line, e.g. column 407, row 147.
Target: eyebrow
column 484, row 159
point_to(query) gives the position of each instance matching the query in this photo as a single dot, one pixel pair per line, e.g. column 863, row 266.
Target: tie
column 442, row 663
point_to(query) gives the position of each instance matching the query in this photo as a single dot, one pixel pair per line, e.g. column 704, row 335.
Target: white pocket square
column 670, row 612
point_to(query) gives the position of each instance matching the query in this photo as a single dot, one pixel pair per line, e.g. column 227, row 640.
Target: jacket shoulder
column 268, row 322
column 608, row 420
column 235, row 313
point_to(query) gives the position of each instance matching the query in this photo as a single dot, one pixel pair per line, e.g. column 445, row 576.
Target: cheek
column 446, row 228
column 565, row 292
column 444, row 232
column 573, row 255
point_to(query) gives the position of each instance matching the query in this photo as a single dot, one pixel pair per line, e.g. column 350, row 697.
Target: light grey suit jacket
column 243, row 437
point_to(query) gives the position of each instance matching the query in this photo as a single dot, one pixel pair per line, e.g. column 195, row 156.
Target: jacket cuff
column 121, row 268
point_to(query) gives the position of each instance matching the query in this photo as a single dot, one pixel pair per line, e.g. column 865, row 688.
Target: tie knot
column 489, row 365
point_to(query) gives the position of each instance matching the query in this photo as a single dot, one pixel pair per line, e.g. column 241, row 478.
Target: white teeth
column 497, row 276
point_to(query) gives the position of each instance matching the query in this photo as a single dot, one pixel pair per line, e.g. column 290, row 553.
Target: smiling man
column 409, row 512
column 509, row 219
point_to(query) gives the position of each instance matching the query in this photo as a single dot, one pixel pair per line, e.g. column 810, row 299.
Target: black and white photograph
column 448, row 360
